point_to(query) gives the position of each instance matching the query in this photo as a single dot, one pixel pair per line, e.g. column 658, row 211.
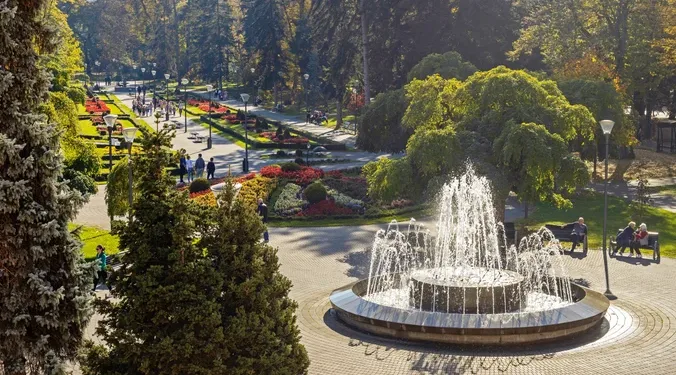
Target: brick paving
column 638, row 337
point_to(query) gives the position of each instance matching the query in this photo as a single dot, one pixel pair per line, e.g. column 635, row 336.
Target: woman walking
column 101, row 273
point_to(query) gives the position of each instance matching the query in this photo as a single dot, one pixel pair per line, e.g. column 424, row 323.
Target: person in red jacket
column 640, row 238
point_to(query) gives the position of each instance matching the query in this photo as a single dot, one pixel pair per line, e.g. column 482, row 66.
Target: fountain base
column 469, row 291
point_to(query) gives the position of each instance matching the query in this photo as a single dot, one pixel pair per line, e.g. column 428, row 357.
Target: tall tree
column 43, row 282
column 267, row 39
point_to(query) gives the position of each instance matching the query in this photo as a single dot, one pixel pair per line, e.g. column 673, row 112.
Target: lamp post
column 143, row 83
column 98, row 65
column 110, row 125
column 158, row 115
column 153, row 72
column 166, row 81
column 209, row 89
column 129, row 135
column 245, row 166
column 135, row 72
column 607, row 127
column 307, row 104
column 184, row 82
column 253, row 89
column 307, row 154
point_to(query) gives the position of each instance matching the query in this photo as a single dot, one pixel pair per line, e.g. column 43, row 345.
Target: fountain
column 464, row 284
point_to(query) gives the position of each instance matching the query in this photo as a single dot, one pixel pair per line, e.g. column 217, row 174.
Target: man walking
column 263, row 213
column 199, row 166
column 211, row 168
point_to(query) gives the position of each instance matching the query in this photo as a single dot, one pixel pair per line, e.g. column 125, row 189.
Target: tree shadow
column 359, row 263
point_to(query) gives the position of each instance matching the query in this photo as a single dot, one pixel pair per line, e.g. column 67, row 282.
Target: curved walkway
column 638, row 337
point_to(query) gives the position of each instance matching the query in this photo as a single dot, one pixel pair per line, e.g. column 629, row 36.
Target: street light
column 607, row 127
column 253, row 89
column 209, row 89
column 98, row 65
column 184, row 82
column 245, row 167
column 129, row 135
column 153, row 72
column 307, row 104
column 143, row 84
column 307, row 154
column 166, row 80
column 110, row 125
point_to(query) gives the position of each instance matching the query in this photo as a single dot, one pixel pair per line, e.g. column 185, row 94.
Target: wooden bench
column 563, row 234
column 653, row 244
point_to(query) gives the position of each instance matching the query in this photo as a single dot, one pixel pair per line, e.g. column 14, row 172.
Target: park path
column 627, row 190
column 292, row 121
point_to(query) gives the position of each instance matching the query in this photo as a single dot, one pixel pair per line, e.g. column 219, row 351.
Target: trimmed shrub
column 299, row 161
column 290, row 167
column 315, row 192
column 200, row 184
column 281, row 153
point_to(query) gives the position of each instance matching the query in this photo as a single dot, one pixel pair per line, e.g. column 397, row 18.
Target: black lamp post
column 307, row 104
column 98, row 65
column 184, row 82
column 129, row 135
column 110, row 125
column 143, row 83
column 245, row 167
column 253, row 89
column 307, row 154
column 607, row 126
column 166, row 81
column 209, row 89
column 153, row 72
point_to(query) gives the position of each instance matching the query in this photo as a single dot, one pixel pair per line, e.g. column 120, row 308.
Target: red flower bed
column 204, row 106
column 248, row 177
column 230, row 117
column 293, row 140
column 302, row 177
column 93, row 106
column 200, row 193
column 325, row 208
column 97, row 120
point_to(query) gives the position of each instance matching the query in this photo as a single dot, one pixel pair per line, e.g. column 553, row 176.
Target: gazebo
column 666, row 136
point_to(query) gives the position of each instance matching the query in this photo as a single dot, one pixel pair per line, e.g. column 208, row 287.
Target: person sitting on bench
column 640, row 239
column 578, row 233
column 624, row 239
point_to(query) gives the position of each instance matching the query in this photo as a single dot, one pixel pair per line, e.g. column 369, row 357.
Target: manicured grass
column 92, row 237
column 86, row 127
column 590, row 206
column 221, row 133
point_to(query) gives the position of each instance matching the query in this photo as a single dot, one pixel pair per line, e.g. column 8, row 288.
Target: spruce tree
column 166, row 320
column 259, row 324
column 44, row 283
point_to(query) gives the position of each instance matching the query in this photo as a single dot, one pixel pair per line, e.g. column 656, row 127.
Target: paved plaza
column 637, row 337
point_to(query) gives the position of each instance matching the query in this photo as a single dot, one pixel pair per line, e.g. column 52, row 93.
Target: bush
column 299, row 161
column 200, row 184
column 290, row 167
column 299, row 153
column 315, row 192
column 281, row 153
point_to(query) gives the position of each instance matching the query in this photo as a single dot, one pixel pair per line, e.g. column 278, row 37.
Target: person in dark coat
column 624, row 238
column 578, row 233
column 182, row 167
column 211, row 168
column 263, row 213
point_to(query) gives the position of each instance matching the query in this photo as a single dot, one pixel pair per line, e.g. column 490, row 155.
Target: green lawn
column 86, row 127
column 619, row 214
column 667, row 190
column 92, row 237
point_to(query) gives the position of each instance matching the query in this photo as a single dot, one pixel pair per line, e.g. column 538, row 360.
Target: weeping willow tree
column 117, row 189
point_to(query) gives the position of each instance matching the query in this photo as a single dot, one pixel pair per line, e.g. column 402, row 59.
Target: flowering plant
column 325, row 208
column 96, row 106
column 303, row 176
column 205, row 198
column 289, row 201
column 345, row 201
column 293, row 140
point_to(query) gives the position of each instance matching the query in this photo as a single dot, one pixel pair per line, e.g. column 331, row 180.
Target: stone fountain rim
column 588, row 310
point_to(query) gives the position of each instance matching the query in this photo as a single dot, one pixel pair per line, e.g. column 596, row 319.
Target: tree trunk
column 621, row 25
column 339, row 112
column 364, row 38
column 525, row 210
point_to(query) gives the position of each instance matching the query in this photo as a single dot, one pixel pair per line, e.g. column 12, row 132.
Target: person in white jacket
column 189, row 166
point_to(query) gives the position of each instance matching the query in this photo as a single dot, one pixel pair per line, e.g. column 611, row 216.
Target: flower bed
column 325, row 208
column 345, row 201
column 288, row 202
column 257, row 187
column 205, row 198
column 302, row 177
column 291, row 140
column 96, row 106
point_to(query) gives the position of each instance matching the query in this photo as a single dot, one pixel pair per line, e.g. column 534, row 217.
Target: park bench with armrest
column 563, row 234
column 653, row 244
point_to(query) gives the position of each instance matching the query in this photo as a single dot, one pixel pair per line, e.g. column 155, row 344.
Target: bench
column 653, row 244
column 564, row 234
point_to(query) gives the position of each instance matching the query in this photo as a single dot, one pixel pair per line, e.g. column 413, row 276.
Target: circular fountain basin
column 514, row 328
column 467, row 290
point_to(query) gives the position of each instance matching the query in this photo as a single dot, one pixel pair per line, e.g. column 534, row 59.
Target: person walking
column 624, row 239
column 189, row 168
column 211, row 168
column 578, row 233
column 199, row 166
column 263, row 213
column 640, row 239
column 101, row 273
column 308, row 117
column 182, row 167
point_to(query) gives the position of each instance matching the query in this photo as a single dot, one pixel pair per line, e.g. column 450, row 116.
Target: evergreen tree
column 167, row 320
column 43, row 279
column 266, row 36
column 258, row 316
